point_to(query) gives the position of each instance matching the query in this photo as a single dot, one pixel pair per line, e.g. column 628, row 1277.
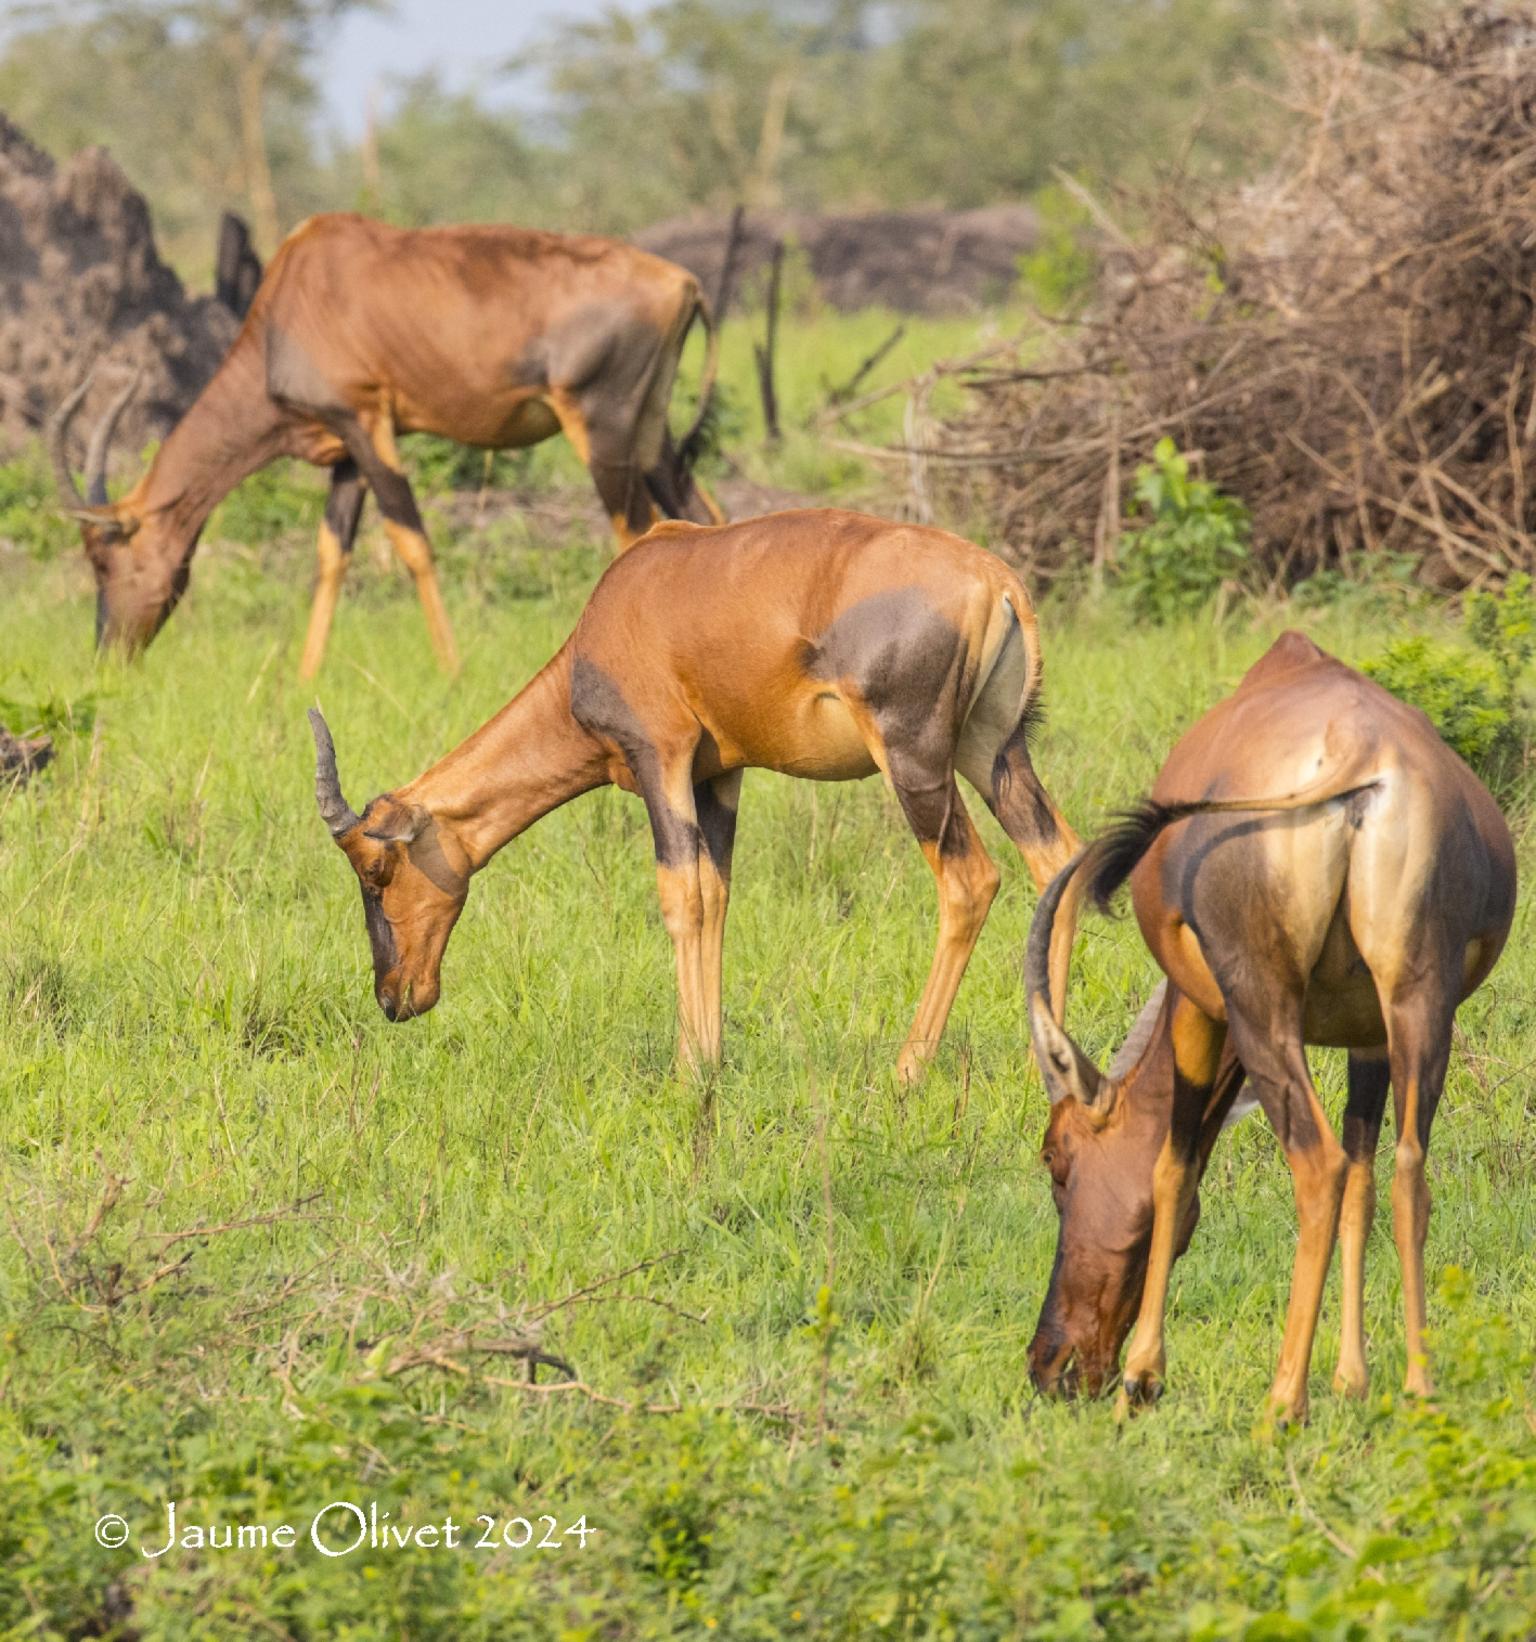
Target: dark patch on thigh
column 598, row 705
column 910, row 668
column 606, row 358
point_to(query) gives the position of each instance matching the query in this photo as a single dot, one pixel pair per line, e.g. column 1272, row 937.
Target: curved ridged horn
column 101, row 445
column 337, row 814
column 1065, row 1068
column 1135, row 1046
column 58, row 436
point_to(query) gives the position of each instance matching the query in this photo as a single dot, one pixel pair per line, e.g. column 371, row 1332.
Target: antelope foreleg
column 716, row 803
column 1197, row 1046
column 682, row 911
column 667, row 787
column 334, row 552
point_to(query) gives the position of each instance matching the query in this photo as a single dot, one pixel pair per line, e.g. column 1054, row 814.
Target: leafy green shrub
column 274, row 500
column 1060, row 271
column 1472, row 695
column 1194, row 540
column 1377, row 585
column 29, row 510
column 438, row 465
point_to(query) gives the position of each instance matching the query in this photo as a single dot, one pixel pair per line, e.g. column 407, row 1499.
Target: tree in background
column 691, row 103
column 205, row 103
column 655, row 109
column 439, row 155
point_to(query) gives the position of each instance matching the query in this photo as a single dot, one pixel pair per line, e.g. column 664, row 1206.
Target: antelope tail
column 1114, row 854
column 692, row 441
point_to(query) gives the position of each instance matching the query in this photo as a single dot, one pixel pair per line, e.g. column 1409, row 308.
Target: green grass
column 237, row 1198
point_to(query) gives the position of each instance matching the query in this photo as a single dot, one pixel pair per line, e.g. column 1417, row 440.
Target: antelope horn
column 101, row 444
column 337, row 814
column 1135, row 1045
column 58, row 437
column 1065, row 1068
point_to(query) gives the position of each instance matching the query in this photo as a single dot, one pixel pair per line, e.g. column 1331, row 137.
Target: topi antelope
column 493, row 336
column 822, row 644
column 1355, row 911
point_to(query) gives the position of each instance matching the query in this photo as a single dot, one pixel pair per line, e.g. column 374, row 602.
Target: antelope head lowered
column 134, row 594
column 1314, row 866
column 414, row 879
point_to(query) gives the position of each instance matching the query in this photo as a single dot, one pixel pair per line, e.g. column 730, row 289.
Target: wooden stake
column 763, row 352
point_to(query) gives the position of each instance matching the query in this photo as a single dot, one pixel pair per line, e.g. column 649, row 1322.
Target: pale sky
column 465, row 39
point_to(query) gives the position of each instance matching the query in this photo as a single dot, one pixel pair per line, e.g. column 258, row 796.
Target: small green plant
column 53, row 714
column 1193, row 541
column 1503, row 626
column 1472, row 694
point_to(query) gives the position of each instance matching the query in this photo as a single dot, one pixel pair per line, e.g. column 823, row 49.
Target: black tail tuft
column 702, row 439
column 1032, row 720
column 1113, row 855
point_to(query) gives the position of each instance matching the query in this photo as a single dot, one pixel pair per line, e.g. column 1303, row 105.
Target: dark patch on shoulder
column 293, row 378
column 598, row 705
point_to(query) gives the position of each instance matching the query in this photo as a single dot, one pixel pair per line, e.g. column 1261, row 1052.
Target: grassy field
column 254, row 1233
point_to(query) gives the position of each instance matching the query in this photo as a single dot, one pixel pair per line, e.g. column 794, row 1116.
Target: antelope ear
column 1066, row 1070
column 117, row 527
column 399, row 824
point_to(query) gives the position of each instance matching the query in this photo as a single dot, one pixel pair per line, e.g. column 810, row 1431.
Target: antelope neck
column 231, row 430
column 526, row 761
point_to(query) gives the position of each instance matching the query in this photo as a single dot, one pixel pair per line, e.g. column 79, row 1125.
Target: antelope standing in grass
column 1314, row 866
column 493, row 336
column 822, row 644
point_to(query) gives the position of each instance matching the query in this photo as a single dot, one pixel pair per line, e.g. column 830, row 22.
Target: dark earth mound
column 80, row 284
column 926, row 261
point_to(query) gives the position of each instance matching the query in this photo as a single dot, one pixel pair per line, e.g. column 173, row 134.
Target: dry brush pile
column 1346, row 345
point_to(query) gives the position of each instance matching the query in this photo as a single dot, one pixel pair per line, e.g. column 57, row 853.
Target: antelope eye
column 1048, row 1157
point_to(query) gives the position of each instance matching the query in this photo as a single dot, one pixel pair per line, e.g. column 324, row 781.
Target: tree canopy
column 652, row 110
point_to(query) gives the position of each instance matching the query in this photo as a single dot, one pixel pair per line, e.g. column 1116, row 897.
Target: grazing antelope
column 1314, row 866
column 493, row 336
column 822, row 644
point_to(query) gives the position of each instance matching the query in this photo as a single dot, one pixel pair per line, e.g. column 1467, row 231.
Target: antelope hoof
column 910, row 1068
column 1352, row 1381
column 1282, row 1413
column 1141, row 1388
column 1417, row 1383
